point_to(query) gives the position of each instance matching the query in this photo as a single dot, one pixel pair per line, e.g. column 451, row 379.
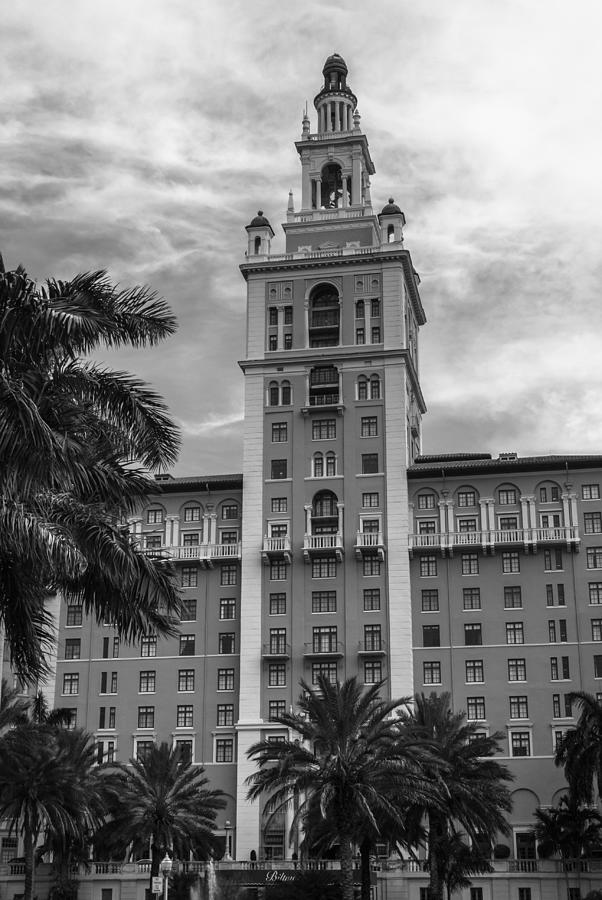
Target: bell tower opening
column 333, row 187
column 324, row 317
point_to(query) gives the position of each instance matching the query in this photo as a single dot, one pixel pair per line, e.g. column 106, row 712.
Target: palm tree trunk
column 365, row 848
column 346, row 845
column 29, row 849
column 157, row 854
column 437, row 828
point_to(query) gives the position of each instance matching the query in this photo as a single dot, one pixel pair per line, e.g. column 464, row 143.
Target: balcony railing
column 375, row 646
column 323, row 648
column 204, row 553
column 560, row 534
column 369, row 543
column 276, row 548
column 323, row 545
column 276, row 650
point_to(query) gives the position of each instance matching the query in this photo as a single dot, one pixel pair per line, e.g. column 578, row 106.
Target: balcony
column 369, row 543
column 529, row 538
column 206, row 554
column 276, row 650
column 373, row 647
column 323, row 649
column 276, row 548
column 315, row 545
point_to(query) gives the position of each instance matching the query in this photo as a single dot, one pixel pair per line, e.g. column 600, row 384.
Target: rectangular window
column 473, row 635
column 590, row 492
column 323, row 601
column 143, row 749
column 184, row 716
column 71, row 683
column 147, row 683
column 113, row 683
column 370, row 499
column 375, row 309
column 188, row 609
column 115, row 647
column 324, row 567
column 279, row 432
column 561, row 597
column 154, row 516
column 595, row 593
column 227, row 608
column 375, row 334
column 554, row 668
column 371, row 599
column 185, row 680
column 471, row 598
column 597, row 668
column 566, row 672
column 594, row 557
column 369, row 463
column 428, row 566
column 228, row 574
column 72, row 648
column 431, row 672
column 556, row 714
column 277, row 643
column 225, row 679
column 430, row 636
column 513, row 597
column 467, row 498
column 470, row 564
column 277, row 675
column 507, row 497
column 369, row 426
column 278, row 570
column 185, row 749
column 510, row 561
column 520, row 745
column 279, row 504
column 426, row 501
column 277, row 604
column 517, row 670
column 596, row 629
column 288, row 341
column 324, row 429
column 224, row 750
column 562, row 631
column 515, row 633
column 552, row 560
column 430, row 600
column 475, row 708
column 325, row 639
column 373, row 672
column 192, row 514
column 592, row 522
column 519, row 708
column 360, row 336
column 230, row 511
column 227, row 643
column 549, row 595
column 187, row 645
column 146, row 717
column 278, row 468
column 191, row 539
column 568, row 706
column 225, row 714
column 372, row 638
column 273, row 315
column 273, row 342
column 474, row 670
column 148, row 645
column 276, row 709
column 190, row 576
column 327, row 669
column 476, row 893
column 552, row 631
column 466, row 526
column 74, row 614
column 427, row 526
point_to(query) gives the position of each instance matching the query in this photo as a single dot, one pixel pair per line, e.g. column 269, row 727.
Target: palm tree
column 14, row 708
column 77, row 442
column 569, row 829
column 461, row 861
column 347, row 764
column 580, row 750
column 161, row 799
column 475, row 795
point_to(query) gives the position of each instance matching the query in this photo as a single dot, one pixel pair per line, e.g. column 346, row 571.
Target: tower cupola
column 391, row 220
column 336, row 103
column 260, row 235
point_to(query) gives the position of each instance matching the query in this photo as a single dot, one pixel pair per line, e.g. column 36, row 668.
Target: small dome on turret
column 335, row 63
column 391, row 208
column 259, row 220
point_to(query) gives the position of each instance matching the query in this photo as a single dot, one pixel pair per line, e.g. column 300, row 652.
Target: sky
column 141, row 136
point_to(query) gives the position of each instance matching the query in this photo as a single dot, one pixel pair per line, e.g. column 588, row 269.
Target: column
column 356, row 179
column 306, row 315
column 280, row 314
column 305, row 182
column 484, row 523
column 213, row 526
column 167, row 539
column 524, row 510
column 344, row 198
column 340, row 516
column 308, row 520
column 206, row 529
column 175, row 531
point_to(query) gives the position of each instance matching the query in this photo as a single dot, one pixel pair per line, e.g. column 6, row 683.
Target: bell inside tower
column 331, row 195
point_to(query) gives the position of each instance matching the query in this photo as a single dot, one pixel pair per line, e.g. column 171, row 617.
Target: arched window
column 332, row 186
column 390, row 234
column 375, row 387
column 286, row 393
column 324, row 316
column 360, row 310
column 331, row 464
column 257, row 245
column 362, row 388
column 325, row 505
column 273, row 393
column 318, row 465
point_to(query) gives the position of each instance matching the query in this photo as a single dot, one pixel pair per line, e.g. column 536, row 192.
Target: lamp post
column 166, row 866
column 228, row 853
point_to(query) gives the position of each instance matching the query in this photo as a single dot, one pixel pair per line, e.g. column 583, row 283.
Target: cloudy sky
column 141, row 136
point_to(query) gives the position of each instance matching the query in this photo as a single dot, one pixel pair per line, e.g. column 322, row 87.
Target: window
column 185, row 680
column 375, row 309
column 277, row 675
column 427, row 526
column 471, row 598
column 369, row 426
column 224, row 750
column 592, row 522
column 113, row 683
column 190, row 575
column 517, row 670
column 597, row 668
column 373, row 672
column 476, row 893
column 324, row 429
column 225, row 714
column 430, row 600
column 71, row 719
column 276, row 709
column 184, row 716
column 190, row 539
column 552, row 632
column 475, row 708
column 473, row 635
column 279, row 504
column 374, row 387
column 148, row 682
column 228, row 536
column 431, row 672
column 508, row 523
column 370, row 500
column 273, row 342
column 192, row 514
column 596, row 629
column 519, row 708
column 568, row 706
column 515, row 633
column 360, row 338
column 278, row 468
column 227, row 608
column 279, row 432
column 467, row 498
column 428, row 566
column 323, row 601
column 371, row 566
column 331, row 464
column 228, row 574
column 325, row 639
column 562, row 631
column 595, row 593
column 430, row 636
column 273, row 315
column 362, row 386
column 520, row 745
column 185, row 750
column 590, row 492
column 474, row 670
column 288, row 315
column 71, row 683
column 556, row 714
column 154, row 516
column 426, row 501
column 277, row 604
column 371, row 599
column 277, row 640
column 594, row 557
column 552, row 559
column 470, row 564
column 369, row 463
column 225, row 679
column 74, row 614
column 554, row 668
column 148, row 645
column 285, row 392
column 115, row 647
column 146, row 717
column 227, row 642
column 466, row 526
column 372, row 638
column 187, row 645
column 278, row 570
column 72, row 648
column 506, row 496
column 188, row 609
column 230, row 511
column 513, row 598
column 144, row 749
column 326, row 669
column 510, row 561
column 325, row 567
column 375, row 334
column 360, row 310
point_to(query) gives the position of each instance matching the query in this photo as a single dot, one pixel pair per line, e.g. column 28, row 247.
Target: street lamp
column 166, row 867
column 228, row 853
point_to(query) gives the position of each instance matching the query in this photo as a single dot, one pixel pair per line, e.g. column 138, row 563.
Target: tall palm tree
column 475, row 792
column 161, row 799
column 77, row 442
column 580, row 750
column 342, row 759
column 569, row 829
column 14, row 708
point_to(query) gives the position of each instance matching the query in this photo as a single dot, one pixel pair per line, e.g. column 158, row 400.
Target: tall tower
column 332, row 421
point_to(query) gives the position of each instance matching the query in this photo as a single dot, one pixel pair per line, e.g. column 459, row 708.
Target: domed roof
column 335, row 62
column 259, row 220
column 391, row 208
